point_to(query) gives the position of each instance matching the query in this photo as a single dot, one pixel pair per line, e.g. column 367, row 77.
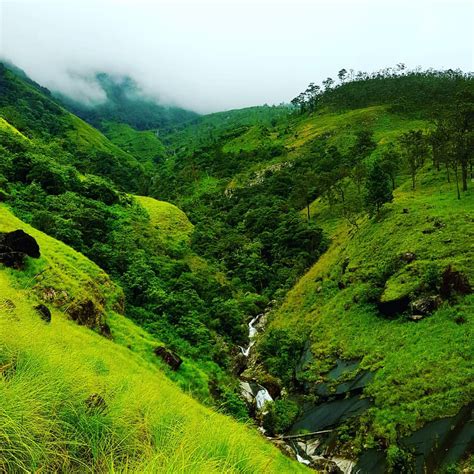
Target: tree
column 415, row 150
column 378, row 189
column 355, row 160
column 342, row 74
column 390, row 162
column 327, row 83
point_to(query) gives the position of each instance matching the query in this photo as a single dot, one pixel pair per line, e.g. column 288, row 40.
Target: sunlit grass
column 50, row 375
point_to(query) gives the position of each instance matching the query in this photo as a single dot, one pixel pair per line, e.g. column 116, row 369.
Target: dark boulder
column 85, row 313
column 44, row 312
column 394, row 307
column 426, row 305
column 240, row 364
column 169, row 357
column 453, row 282
column 16, row 246
column 105, row 330
column 408, row 257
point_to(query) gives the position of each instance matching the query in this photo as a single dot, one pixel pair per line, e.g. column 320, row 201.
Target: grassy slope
column 170, row 222
column 143, row 145
column 297, row 134
column 425, row 368
column 210, row 127
column 31, row 112
column 47, row 372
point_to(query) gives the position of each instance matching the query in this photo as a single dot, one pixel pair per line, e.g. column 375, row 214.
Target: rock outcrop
column 16, row 246
column 44, row 312
column 173, row 360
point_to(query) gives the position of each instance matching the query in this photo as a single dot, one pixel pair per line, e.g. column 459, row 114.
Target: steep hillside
column 31, row 110
column 143, row 145
column 422, row 367
column 309, row 267
column 73, row 400
column 213, row 127
column 126, row 103
column 144, row 245
column 372, row 346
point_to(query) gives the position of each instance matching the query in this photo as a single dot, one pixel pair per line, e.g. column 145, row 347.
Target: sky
column 214, row 55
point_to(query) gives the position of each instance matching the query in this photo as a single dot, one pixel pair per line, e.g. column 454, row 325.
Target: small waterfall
column 252, row 333
column 262, row 397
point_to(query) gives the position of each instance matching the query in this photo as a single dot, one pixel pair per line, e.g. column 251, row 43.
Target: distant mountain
column 126, row 103
column 40, row 118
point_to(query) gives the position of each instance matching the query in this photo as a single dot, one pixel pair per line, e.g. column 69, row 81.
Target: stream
column 295, row 446
column 434, row 445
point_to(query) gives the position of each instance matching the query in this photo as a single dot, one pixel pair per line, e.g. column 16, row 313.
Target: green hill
column 340, row 227
column 73, row 400
column 125, row 103
column 352, row 297
column 37, row 115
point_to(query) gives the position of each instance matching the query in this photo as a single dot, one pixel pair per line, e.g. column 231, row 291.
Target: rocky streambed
column 307, row 448
column 313, row 437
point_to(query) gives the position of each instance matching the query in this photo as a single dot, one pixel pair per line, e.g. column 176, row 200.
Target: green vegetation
column 72, row 400
column 349, row 213
column 126, row 103
column 423, row 367
column 143, row 145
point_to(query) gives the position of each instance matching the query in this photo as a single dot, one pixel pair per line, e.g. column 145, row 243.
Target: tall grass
column 73, row 401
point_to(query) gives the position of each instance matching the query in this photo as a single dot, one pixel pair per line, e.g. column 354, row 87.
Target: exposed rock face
column 16, row 246
column 169, row 357
column 454, row 281
column 426, row 305
column 88, row 313
column 44, row 312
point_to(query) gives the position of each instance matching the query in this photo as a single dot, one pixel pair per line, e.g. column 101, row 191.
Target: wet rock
column 44, row 312
column 324, row 465
column 96, row 402
column 394, row 307
column 169, row 357
column 247, row 392
column 15, row 247
column 284, row 448
column 408, row 257
column 453, row 282
column 425, row 306
column 416, row 317
column 240, row 363
column 272, row 385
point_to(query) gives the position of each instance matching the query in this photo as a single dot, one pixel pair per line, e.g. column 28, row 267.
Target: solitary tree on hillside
column 415, row 150
column 390, row 162
column 378, row 189
column 355, row 160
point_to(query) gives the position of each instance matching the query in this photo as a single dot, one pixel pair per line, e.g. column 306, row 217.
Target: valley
column 271, row 289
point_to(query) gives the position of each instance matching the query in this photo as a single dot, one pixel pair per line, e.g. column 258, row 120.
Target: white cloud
column 218, row 54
